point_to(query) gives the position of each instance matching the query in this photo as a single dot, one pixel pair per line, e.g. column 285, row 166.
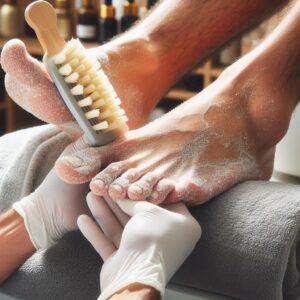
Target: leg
column 222, row 136
column 169, row 50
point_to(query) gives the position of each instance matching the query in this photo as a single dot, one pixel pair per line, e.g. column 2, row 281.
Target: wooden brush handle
column 41, row 16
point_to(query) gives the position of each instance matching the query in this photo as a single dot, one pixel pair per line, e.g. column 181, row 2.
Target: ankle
column 132, row 66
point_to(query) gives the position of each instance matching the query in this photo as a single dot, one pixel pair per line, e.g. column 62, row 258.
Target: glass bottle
column 130, row 14
column 87, row 21
column 107, row 23
column 11, row 19
column 64, row 18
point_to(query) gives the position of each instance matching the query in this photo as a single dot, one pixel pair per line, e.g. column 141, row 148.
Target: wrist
column 38, row 220
column 136, row 291
column 15, row 243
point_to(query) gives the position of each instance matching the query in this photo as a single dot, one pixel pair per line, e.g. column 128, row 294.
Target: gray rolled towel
column 248, row 249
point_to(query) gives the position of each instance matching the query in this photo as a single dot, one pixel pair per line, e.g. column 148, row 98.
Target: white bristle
column 59, row 59
column 71, row 46
column 77, row 90
column 124, row 119
column 65, row 70
column 102, row 75
column 93, row 73
column 81, row 69
column 85, row 80
column 89, row 89
column 98, row 103
column 113, row 125
column 91, row 63
column 95, row 95
column 92, row 114
column 112, row 93
column 107, row 113
column 117, row 101
column 74, row 62
column 72, row 78
column 101, row 126
column 122, row 112
column 88, row 79
column 97, row 82
column 85, row 102
column 78, row 53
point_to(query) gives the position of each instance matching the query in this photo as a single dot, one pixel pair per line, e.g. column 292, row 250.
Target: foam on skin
column 28, row 84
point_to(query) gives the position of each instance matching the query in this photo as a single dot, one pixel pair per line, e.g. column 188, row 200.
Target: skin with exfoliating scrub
column 223, row 135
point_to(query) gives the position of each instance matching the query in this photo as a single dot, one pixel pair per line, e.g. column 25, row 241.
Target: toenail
column 99, row 183
column 117, row 188
column 74, row 161
column 136, row 189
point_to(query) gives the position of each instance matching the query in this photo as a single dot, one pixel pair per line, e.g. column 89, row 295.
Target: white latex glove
column 154, row 243
column 52, row 210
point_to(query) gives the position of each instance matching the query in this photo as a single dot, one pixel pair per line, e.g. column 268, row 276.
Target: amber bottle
column 107, row 23
column 130, row 14
column 87, row 21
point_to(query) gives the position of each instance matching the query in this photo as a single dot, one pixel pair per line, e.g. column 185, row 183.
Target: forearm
column 136, row 291
column 15, row 244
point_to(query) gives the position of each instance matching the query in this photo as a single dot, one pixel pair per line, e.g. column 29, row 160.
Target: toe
column 142, row 188
column 160, row 192
column 79, row 167
column 118, row 189
column 190, row 192
column 100, row 183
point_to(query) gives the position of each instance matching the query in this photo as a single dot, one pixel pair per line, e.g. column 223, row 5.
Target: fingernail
column 74, row 161
column 136, row 189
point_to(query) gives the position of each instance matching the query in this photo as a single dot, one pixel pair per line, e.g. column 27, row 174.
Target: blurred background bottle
column 107, row 23
column 11, row 19
column 64, row 14
column 130, row 14
column 87, row 21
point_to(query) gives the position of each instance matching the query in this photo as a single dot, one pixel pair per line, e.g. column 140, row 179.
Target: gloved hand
column 52, row 210
column 153, row 245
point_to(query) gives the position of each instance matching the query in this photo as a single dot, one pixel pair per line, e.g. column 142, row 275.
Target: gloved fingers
column 132, row 208
column 121, row 216
column 179, row 208
column 95, row 236
column 104, row 216
column 42, row 99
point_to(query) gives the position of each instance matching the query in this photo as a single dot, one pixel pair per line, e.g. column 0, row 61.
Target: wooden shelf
column 2, row 105
column 180, row 95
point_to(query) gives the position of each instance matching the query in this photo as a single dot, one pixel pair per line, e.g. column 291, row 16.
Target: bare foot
column 29, row 85
column 222, row 136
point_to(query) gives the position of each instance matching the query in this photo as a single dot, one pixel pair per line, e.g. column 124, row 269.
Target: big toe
column 79, row 167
